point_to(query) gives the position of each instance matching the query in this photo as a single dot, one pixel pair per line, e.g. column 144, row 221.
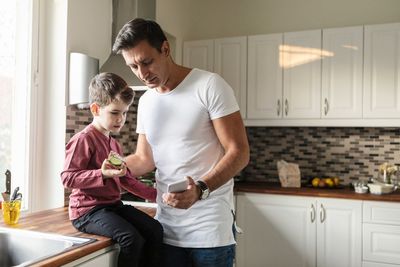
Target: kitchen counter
column 56, row 221
column 343, row 192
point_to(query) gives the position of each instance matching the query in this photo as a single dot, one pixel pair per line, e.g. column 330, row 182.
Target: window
column 16, row 68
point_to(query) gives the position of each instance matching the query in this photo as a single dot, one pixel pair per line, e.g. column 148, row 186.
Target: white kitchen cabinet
column 301, row 62
column 107, row 257
column 284, row 75
column 199, row 54
column 339, row 232
column 381, row 234
column 264, row 72
column 342, row 63
column 225, row 56
column 230, row 62
column 382, row 71
column 286, row 231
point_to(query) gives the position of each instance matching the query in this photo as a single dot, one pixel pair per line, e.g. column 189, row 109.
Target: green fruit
column 115, row 161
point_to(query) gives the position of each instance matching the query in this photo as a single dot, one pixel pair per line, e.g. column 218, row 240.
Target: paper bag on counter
column 289, row 174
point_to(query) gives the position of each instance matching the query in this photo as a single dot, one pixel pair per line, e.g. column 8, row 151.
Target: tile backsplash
column 349, row 153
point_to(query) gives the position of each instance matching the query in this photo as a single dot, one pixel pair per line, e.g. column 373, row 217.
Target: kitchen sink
column 24, row 248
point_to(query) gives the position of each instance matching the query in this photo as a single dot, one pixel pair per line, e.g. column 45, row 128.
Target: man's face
column 148, row 64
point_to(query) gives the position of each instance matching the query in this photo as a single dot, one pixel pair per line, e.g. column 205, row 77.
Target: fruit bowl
column 326, row 183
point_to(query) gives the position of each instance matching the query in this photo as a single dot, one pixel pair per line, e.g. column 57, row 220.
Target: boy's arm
column 142, row 161
column 76, row 173
column 134, row 186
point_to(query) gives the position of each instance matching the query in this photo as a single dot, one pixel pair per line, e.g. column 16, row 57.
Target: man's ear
column 94, row 108
column 165, row 49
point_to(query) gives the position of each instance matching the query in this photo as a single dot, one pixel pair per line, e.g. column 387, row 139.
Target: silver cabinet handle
column 279, row 108
column 312, row 213
column 286, row 107
column 322, row 215
column 326, row 108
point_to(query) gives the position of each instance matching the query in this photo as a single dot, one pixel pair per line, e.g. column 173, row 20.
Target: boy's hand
column 109, row 170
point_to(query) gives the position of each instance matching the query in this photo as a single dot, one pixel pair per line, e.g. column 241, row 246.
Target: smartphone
column 178, row 186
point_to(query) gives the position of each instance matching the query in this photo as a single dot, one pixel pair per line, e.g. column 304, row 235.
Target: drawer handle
column 326, row 108
column 286, row 107
column 279, row 108
column 312, row 213
column 322, row 215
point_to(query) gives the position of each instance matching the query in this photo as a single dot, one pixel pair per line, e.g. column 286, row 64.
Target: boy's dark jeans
column 139, row 235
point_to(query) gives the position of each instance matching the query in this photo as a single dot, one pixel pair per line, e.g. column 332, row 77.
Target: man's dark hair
column 138, row 30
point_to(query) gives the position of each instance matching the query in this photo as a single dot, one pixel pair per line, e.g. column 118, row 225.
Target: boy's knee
column 131, row 241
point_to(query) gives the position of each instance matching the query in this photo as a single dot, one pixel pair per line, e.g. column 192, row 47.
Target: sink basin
column 23, row 248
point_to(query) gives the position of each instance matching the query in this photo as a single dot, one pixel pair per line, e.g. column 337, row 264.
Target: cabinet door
column 382, row 71
column 107, row 257
column 231, row 63
column 342, row 58
column 339, row 232
column 264, row 83
column 381, row 243
column 199, row 54
column 277, row 231
column 381, row 232
column 302, row 74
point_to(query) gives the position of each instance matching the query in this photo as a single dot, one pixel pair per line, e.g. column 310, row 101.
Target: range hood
column 124, row 11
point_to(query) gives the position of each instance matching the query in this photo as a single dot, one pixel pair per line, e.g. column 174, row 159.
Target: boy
column 95, row 205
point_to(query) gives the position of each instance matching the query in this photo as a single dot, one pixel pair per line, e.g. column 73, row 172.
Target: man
column 189, row 124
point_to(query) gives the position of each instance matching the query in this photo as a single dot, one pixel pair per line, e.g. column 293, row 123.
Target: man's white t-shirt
column 178, row 126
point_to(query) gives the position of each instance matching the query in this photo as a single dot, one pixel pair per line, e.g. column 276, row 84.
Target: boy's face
column 148, row 64
column 109, row 118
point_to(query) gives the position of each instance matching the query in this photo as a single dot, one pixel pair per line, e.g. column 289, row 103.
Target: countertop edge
column 345, row 192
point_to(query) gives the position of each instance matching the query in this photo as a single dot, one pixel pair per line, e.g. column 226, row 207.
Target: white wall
column 47, row 190
column 89, row 28
column 205, row 19
column 193, row 19
column 65, row 26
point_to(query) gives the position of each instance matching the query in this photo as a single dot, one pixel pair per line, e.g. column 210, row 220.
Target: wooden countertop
column 344, row 192
column 56, row 221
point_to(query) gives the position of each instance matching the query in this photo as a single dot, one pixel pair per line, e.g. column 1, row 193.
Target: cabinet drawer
column 381, row 212
column 376, row 264
column 381, row 243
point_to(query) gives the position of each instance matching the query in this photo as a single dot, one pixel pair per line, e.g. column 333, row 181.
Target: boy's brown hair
column 107, row 87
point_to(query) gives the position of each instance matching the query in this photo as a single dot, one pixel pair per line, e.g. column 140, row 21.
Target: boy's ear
column 94, row 108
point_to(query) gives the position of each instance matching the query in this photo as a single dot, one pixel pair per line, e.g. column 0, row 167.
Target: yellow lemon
column 315, row 182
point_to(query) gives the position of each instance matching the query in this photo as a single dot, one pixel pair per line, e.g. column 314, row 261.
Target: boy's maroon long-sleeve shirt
column 85, row 153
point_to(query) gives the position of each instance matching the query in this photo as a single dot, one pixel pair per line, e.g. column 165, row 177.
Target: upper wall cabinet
column 230, row 61
column 199, row 54
column 332, row 77
column 382, row 71
column 264, row 77
column 225, row 56
column 342, row 58
column 284, row 75
column 301, row 55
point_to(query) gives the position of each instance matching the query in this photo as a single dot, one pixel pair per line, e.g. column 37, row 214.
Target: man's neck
column 178, row 74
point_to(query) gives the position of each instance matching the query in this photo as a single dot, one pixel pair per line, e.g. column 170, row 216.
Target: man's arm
column 232, row 136
column 142, row 161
